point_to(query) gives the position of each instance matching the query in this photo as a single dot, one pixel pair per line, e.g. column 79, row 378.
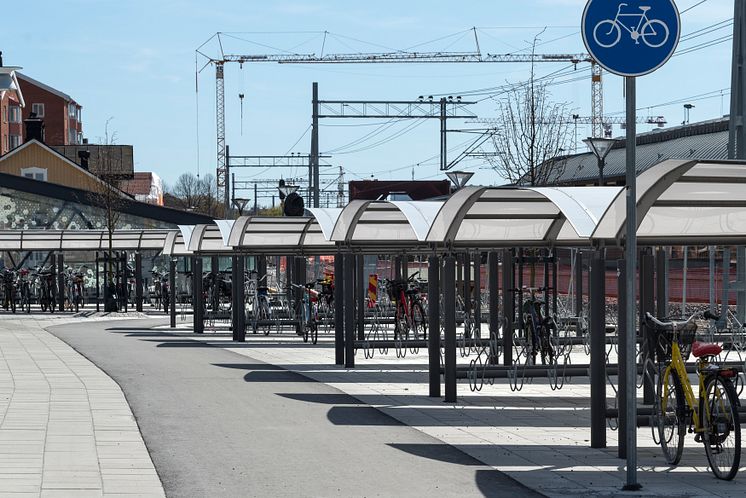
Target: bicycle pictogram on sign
column 631, row 37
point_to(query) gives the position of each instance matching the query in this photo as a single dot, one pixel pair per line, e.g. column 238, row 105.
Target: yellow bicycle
column 713, row 416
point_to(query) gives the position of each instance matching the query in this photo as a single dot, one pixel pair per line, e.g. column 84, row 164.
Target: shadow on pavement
column 324, row 399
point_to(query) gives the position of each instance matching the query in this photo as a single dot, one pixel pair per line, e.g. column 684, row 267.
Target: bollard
column 598, row 349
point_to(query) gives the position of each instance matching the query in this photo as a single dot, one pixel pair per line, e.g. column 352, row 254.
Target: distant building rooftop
column 703, row 140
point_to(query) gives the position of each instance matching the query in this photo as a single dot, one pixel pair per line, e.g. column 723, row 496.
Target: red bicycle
column 410, row 310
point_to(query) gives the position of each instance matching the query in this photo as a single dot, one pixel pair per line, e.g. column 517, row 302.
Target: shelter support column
column 449, row 322
column 433, row 344
column 198, row 303
column 625, row 334
column 349, row 310
column 494, row 300
column 98, row 285
column 125, row 282
column 239, row 326
column 578, row 284
column 647, row 305
column 339, row 347
column 467, row 292
column 61, row 281
column 360, row 290
column 598, row 349
column 214, row 271
column 172, row 292
column 661, row 281
column 138, row 281
column 478, row 295
column 508, row 306
column 234, row 296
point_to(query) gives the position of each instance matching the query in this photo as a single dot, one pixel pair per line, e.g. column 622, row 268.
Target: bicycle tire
column 401, row 326
column 721, row 421
column 531, row 338
column 613, row 40
column 419, row 322
column 264, row 315
column 648, row 29
column 670, row 420
column 314, row 330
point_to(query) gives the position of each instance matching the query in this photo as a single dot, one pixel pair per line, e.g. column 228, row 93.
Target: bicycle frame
column 643, row 18
column 677, row 364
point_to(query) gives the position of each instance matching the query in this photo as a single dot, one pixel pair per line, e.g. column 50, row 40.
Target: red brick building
column 11, row 104
column 60, row 112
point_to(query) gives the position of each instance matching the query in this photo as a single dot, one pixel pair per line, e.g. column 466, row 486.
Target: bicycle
column 307, row 313
column 9, row 289
column 538, row 329
column 647, row 29
column 713, row 416
column 24, row 284
column 261, row 309
column 410, row 312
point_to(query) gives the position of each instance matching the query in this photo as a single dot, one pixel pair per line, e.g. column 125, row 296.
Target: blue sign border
column 595, row 59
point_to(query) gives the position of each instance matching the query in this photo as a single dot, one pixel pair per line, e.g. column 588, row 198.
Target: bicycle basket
column 664, row 337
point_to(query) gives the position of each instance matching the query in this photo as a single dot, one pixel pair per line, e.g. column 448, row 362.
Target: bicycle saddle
column 645, row 8
column 700, row 349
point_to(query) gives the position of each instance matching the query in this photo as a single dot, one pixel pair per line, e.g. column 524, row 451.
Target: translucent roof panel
column 697, row 202
column 207, row 239
column 82, row 240
column 499, row 216
column 282, row 235
column 369, row 223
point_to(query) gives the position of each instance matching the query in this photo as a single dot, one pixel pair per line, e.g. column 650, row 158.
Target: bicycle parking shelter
column 679, row 202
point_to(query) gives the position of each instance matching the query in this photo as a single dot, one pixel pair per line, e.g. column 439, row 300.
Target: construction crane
column 398, row 57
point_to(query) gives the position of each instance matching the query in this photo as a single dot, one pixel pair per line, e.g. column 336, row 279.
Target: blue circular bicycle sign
column 631, row 37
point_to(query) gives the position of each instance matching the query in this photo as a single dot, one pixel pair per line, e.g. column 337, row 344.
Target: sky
column 134, row 63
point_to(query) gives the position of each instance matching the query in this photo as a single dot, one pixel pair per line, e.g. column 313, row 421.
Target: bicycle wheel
column 313, row 327
column 607, row 33
column 531, row 339
column 654, row 33
column 264, row 316
column 419, row 322
column 401, row 326
column 669, row 417
column 722, row 428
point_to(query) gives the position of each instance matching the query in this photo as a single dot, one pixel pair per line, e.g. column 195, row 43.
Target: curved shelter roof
column 684, row 202
column 380, row 225
column 502, row 217
column 284, row 235
column 82, row 240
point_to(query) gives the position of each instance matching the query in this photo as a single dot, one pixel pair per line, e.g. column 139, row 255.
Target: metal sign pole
column 631, row 258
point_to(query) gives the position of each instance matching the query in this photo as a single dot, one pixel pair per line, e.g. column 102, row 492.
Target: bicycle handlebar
column 707, row 315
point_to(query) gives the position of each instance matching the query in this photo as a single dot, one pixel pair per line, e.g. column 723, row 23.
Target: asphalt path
column 218, row 423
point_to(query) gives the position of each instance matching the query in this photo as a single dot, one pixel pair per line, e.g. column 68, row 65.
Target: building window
column 35, row 173
column 5, row 114
column 71, row 110
column 38, row 109
column 72, row 137
column 15, row 141
column 80, row 137
column 77, row 114
column 14, row 114
column 5, row 143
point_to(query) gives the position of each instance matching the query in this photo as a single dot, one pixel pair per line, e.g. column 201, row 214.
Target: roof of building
column 48, row 88
column 128, row 206
column 703, row 140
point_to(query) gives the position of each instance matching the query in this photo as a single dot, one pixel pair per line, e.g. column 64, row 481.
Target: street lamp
column 600, row 147
column 687, row 108
column 459, row 178
column 240, row 204
column 286, row 190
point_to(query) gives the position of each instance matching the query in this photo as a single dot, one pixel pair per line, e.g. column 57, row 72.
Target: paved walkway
column 221, row 424
column 536, row 435
column 65, row 427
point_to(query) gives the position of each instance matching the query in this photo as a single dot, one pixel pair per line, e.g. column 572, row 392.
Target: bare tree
column 532, row 133
column 108, row 195
column 198, row 194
